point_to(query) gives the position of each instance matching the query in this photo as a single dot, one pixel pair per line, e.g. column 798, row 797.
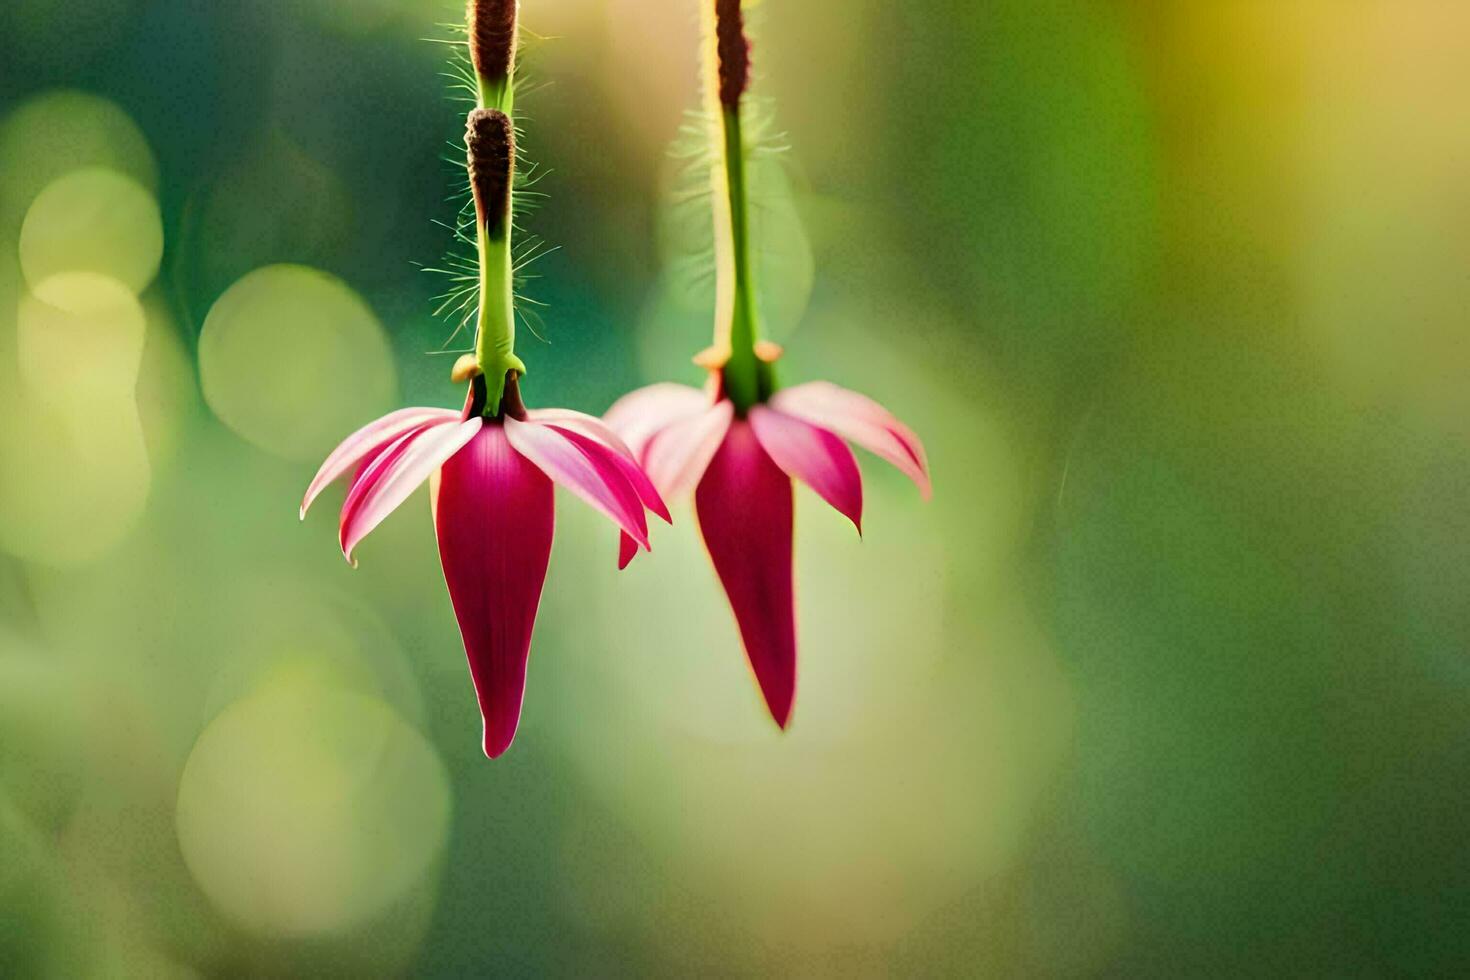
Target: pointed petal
column 494, row 516
column 594, row 478
column 589, row 425
column 367, row 442
column 744, row 508
column 396, row 473
column 373, row 465
column 860, row 419
column 627, row 550
column 676, row 457
column 813, row 455
column 368, row 474
column 631, row 470
column 565, row 420
column 639, row 414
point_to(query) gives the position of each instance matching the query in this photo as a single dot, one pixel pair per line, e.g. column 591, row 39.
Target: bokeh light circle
column 80, row 335
column 166, row 390
column 292, row 360
column 74, row 469
column 74, row 479
column 305, row 809
column 285, row 621
column 94, row 220
column 56, row 132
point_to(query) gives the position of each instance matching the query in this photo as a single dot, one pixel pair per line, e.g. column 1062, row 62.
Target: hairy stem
column 490, row 139
column 747, row 379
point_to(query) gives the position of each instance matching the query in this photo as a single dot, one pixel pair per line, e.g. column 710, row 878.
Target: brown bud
column 492, row 30
column 733, row 50
column 491, row 141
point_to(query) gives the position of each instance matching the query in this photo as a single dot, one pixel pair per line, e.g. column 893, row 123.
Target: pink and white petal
column 648, row 495
column 638, row 415
column 494, row 515
column 814, row 456
column 596, row 479
column 589, row 425
column 860, row 419
column 367, row 476
column 372, row 465
column 677, row 456
column 384, row 488
column 367, row 442
column 745, row 516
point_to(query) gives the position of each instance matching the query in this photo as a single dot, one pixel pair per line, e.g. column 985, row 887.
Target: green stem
column 496, row 93
column 495, row 336
column 495, row 340
column 748, row 379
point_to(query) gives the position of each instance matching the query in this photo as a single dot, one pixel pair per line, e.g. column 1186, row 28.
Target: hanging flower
column 739, row 443
column 491, row 494
column 491, row 466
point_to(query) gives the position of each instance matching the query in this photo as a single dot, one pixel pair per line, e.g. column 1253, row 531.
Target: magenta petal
column 813, row 455
column 612, row 464
column 638, row 415
column 368, row 442
column 648, row 495
column 494, row 516
column 396, row 473
column 744, row 508
column 860, row 419
column 368, row 475
column 676, row 457
column 627, row 550
column 594, row 478
column 589, row 425
column 565, row 420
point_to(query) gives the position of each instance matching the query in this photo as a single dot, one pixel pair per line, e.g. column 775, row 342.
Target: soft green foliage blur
column 1172, row 676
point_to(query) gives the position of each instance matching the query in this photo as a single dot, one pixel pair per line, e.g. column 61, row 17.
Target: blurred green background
column 1170, row 678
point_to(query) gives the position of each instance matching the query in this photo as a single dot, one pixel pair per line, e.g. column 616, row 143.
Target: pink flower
column 740, row 469
column 491, row 493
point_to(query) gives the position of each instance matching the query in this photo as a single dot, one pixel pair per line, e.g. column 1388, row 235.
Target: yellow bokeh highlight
column 93, row 220
column 57, row 132
column 74, row 470
column 73, row 479
column 305, row 809
column 166, row 389
column 293, row 360
column 281, row 620
column 79, row 336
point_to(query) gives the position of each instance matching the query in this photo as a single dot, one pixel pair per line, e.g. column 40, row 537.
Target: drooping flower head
column 739, row 443
column 491, row 466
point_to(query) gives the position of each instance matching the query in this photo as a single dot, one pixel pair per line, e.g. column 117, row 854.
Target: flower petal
column 494, row 513
column 860, row 419
column 368, row 475
column 627, row 550
column 589, row 425
column 594, row 478
column 813, row 455
column 616, row 453
column 369, row 441
column 676, row 457
column 744, row 508
column 638, row 415
column 396, row 473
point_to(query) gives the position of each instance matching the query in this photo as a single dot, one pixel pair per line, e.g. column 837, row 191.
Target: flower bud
column 733, row 51
column 491, row 141
column 492, row 31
